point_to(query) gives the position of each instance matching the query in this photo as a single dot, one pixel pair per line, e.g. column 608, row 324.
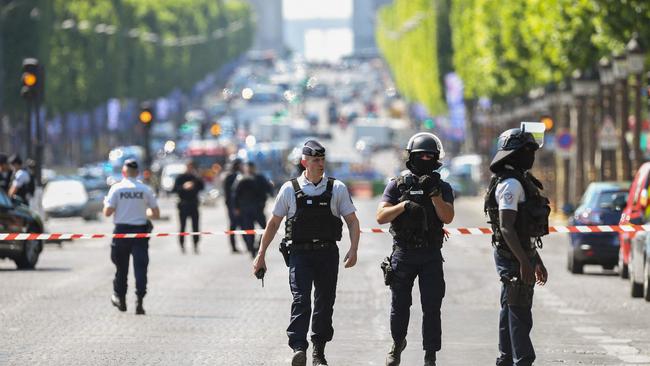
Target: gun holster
column 284, row 250
column 387, row 268
column 518, row 293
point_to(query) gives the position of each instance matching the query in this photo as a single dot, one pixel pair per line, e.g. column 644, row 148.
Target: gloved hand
column 414, row 211
column 430, row 184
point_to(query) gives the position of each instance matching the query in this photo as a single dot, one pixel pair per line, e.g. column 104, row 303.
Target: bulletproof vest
column 26, row 190
column 532, row 214
column 313, row 221
column 408, row 233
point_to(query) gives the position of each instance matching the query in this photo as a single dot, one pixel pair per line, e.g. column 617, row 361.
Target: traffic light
column 146, row 115
column 31, row 80
column 215, row 130
column 548, row 122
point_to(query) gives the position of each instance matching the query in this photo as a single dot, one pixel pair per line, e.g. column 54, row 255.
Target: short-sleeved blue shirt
column 392, row 194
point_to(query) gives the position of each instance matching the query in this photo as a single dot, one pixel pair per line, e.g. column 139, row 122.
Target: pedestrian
column 5, row 173
column 228, row 182
column 188, row 186
column 22, row 185
column 246, row 206
column 313, row 204
column 131, row 202
column 417, row 204
column 518, row 213
column 264, row 190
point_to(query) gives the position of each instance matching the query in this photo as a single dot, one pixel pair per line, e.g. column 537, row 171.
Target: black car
column 16, row 217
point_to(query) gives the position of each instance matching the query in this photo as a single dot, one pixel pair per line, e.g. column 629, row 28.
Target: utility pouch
column 518, row 293
column 388, row 271
column 284, row 250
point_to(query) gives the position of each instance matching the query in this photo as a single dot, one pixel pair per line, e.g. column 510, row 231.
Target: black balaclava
column 523, row 159
column 419, row 166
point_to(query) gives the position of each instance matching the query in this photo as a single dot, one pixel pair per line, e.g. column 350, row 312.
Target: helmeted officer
column 518, row 213
column 132, row 202
column 188, row 186
column 313, row 204
column 417, row 204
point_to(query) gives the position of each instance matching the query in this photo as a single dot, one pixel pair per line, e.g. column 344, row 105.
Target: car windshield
column 608, row 199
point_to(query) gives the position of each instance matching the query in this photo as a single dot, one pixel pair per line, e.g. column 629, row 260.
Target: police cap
column 313, row 148
column 131, row 163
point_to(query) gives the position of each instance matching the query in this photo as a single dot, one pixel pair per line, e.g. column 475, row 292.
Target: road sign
column 564, row 142
column 607, row 136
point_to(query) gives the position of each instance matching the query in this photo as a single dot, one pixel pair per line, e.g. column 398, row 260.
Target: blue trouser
column 515, row 321
column 319, row 267
column 426, row 264
column 247, row 218
column 121, row 250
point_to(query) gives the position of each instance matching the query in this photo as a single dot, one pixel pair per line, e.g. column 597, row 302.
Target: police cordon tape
column 449, row 231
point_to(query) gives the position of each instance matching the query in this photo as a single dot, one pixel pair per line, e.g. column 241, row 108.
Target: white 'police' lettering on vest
column 132, row 195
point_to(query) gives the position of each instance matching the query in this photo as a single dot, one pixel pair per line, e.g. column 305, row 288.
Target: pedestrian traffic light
column 146, row 114
column 31, row 79
column 215, row 130
column 548, row 122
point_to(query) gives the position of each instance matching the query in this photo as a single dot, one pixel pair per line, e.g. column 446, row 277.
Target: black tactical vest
column 313, row 221
column 409, row 234
column 532, row 214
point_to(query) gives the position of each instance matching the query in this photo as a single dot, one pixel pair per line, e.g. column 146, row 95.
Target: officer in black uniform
column 228, row 183
column 188, row 186
column 417, row 204
column 246, row 204
column 313, row 205
column 131, row 202
column 518, row 213
column 5, row 173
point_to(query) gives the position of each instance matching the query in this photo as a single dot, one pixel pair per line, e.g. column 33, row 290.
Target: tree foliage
column 94, row 50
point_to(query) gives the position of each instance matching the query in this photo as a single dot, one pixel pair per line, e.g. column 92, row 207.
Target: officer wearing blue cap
column 130, row 202
column 313, row 204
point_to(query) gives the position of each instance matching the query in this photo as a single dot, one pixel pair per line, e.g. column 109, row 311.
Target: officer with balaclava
column 518, row 213
column 417, row 204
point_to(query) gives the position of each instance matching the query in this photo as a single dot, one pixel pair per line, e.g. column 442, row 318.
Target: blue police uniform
column 130, row 198
column 417, row 258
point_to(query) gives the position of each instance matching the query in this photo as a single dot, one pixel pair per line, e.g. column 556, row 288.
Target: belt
column 312, row 246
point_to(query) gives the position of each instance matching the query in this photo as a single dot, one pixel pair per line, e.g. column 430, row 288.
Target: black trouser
column 248, row 215
column 189, row 210
column 426, row 264
column 233, row 224
column 121, row 250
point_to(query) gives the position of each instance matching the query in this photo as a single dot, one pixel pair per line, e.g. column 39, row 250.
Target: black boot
column 139, row 310
column 119, row 302
column 318, row 356
column 395, row 354
column 429, row 358
column 299, row 358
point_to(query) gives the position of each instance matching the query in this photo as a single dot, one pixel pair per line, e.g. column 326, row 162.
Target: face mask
column 524, row 160
column 421, row 166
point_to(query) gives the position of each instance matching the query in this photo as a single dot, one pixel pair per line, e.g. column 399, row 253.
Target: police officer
column 246, row 204
column 188, row 186
column 21, row 185
column 228, row 183
column 5, row 173
column 313, row 204
column 417, row 204
column 264, row 189
column 518, row 214
column 132, row 202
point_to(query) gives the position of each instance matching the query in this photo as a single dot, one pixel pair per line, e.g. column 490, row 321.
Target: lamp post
column 607, row 151
column 635, row 58
column 623, row 154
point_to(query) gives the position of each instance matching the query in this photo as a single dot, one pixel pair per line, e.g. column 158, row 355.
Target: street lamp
column 635, row 59
column 620, row 75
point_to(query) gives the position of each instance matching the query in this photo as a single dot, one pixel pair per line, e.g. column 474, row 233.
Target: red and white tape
column 450, row 231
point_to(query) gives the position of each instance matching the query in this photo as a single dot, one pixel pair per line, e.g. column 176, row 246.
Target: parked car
column 640, row 259
column 74, row 197
column 635, row 214
column 601, row 204
column 16, row 217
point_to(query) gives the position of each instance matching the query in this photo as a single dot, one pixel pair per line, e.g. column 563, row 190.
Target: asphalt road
column 208, row 309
